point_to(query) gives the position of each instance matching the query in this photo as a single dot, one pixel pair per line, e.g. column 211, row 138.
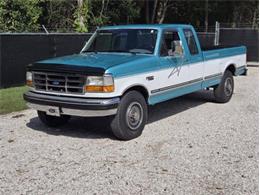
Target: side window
column 189, row 36
column 171, row 44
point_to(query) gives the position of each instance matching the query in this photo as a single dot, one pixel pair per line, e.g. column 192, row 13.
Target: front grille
column 59, row 82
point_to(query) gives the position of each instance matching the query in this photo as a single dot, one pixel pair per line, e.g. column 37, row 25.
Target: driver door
column 172, row 59
column 176, row 75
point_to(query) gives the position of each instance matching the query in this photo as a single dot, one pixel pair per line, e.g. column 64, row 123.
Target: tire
column 131, row 116
column 224, row 91
column 53, row 121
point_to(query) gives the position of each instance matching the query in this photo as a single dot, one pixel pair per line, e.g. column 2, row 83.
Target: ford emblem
column 55, row 82
column 51, row 110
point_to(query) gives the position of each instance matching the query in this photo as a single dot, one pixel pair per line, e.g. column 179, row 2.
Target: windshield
column 124, row 40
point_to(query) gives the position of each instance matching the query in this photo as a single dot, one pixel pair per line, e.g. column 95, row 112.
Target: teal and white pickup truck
column 123, row 69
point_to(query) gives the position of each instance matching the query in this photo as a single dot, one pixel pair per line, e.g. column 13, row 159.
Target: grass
column 11, row 99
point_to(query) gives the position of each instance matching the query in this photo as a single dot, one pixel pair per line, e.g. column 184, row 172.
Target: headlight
column 100, row 84
column 29, row 79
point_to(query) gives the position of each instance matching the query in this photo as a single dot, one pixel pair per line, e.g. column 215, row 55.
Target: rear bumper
column 242, row 70
column 74, row 106
column 245, row 72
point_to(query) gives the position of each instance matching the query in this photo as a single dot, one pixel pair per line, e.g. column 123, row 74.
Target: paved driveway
column 190, row 146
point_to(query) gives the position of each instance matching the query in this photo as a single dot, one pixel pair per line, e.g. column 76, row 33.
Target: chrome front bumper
column 74, row 112
column 74, row 106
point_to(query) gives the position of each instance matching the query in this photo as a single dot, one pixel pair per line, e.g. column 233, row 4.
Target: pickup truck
column 124, row 69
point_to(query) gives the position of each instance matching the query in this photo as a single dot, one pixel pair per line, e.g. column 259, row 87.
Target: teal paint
column 188, row 57
column 97, row 60
column 222, row 53
column 211, row 82
column 176, row 92
column 167, row 95
column 135, row 67
column 125, row 64
column 147, row 26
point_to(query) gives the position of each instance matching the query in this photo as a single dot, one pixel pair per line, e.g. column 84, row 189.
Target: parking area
column 191, row 145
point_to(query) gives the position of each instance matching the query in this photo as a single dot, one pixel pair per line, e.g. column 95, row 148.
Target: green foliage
column 81, row 16
column 99, row 21
column 103, row 12
column 123, row 11
column 85, row 15
column 58, row 15
column 98, row 12
column 19, row 15
column 11, row 99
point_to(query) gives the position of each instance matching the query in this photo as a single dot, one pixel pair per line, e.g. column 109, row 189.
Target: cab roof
column 146, row 26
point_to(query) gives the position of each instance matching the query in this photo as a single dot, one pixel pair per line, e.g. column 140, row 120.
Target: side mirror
column 176, row 49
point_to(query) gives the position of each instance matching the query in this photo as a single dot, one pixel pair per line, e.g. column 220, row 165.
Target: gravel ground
column 190, row 146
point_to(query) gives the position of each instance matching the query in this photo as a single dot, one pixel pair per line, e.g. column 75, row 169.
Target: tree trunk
column 154, row 10
column 163, row 6
column 102, row 8
column 254, row 25
column 206, row 15
column 80, row 17
column 235, row 15
column 147, row 15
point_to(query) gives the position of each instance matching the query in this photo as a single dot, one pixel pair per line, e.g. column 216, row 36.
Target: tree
column 122, row 11
column 58, row 16
column 20, row 15
column 159, row 9
column 103, row 12
column 85, row 15
column 162, row 9
column 206, row 20
column 245, row 13
column 81, row 16
column 98, row 12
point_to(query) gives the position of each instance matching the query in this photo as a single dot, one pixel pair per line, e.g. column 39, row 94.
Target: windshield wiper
column 119, row 51
column 140, row 52
column 90, row 51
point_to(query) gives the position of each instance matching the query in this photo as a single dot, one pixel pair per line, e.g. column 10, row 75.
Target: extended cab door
column 194, row 55
column 181, row 65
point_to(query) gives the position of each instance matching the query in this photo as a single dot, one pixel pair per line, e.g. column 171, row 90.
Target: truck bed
column 218, row 47
column 222, row 51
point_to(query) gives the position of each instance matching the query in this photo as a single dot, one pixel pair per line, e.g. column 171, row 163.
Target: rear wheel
column 131, row 116
column 53, row 121
column 224, row 91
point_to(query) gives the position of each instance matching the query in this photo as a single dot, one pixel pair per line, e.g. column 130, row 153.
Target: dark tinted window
column 170, row 44
column 191, row 41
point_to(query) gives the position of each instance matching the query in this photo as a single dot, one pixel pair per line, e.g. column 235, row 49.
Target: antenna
column 46, row 31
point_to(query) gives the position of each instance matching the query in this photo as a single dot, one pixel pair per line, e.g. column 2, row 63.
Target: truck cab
column 124, row 69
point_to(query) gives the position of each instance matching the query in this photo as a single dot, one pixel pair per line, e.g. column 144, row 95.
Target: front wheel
column 224, row 91
column 131, row 116
column 53, row 121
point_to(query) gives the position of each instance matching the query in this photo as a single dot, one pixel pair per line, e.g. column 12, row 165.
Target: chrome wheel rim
column 134, row 115
column 228, row 88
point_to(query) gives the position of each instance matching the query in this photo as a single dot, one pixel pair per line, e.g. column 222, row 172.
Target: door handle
column 150, row 78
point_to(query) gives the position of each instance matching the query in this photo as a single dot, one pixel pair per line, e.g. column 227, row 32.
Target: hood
column 86, row 63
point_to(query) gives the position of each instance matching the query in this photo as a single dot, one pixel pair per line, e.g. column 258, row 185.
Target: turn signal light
column 29, row 79
column 29, row 83
column 109, row 88
column 103, row 84
column 93, row 88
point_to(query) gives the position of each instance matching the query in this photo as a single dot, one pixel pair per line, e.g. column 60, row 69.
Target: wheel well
column 140, row 89
column 231, row 68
